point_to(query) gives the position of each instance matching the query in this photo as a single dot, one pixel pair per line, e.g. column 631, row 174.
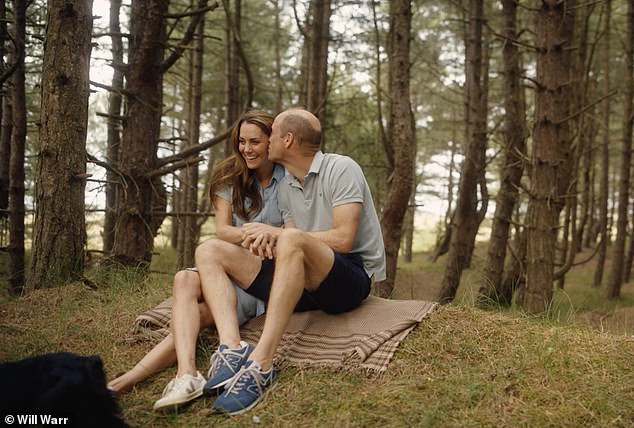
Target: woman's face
column 253, row 145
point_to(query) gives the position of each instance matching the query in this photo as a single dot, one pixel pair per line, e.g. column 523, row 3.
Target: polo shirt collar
column 315, row 166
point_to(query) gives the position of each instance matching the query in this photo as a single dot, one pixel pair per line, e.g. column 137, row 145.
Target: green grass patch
column 462, row 366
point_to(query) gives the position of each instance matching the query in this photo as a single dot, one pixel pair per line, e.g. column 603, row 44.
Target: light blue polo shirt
column 270, row 213
column 334, row 180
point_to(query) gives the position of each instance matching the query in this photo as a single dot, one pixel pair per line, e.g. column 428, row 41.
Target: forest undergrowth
column 462, row 366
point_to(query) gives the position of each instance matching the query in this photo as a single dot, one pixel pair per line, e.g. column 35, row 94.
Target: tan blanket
column 365, row 337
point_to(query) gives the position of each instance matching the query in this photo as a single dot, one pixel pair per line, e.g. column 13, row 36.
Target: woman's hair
column 233, row 172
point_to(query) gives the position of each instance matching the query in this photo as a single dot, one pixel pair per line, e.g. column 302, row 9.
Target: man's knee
column 290, row 241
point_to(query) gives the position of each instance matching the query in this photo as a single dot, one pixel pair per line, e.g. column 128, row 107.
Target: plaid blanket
column 365, row 337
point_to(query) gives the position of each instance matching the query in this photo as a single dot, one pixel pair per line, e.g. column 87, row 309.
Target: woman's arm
column 224, row 228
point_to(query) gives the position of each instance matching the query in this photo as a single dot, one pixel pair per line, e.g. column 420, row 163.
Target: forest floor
column 462, row 366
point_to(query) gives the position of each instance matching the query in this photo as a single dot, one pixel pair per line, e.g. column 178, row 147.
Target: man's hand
column 260, row 239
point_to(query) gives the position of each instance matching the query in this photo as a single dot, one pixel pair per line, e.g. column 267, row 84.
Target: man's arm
column 345, row 221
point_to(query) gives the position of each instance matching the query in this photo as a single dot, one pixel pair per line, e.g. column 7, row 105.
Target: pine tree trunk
column 551, row 158
column 317, row 78
column 401, row 135
column 514, row 153
column 5, row 129
column 616, row 275
column 114, row 127
column 190, row 181
column 467, row 217
column 605, row 159
column 141, row 195
column 279, row 84
column 16, row 161
column 232, row 65
column 59, row 235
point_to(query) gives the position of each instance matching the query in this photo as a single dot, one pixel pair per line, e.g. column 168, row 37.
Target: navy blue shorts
column 344, row 288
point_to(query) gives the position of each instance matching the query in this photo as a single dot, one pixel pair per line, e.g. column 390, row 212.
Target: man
column 324, row 258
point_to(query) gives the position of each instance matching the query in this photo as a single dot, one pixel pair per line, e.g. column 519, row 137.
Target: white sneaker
column 181, row 390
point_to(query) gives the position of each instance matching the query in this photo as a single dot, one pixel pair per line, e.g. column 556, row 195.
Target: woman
column 244, row 194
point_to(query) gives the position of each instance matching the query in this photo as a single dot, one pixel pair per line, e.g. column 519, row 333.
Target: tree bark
column 605, row 158
column 5, row 127
column 616, row 275
column 113, row 146
column 139, row 195
column 59, row 234
column 551, row 158
column 468, row 215
column 232, row 66
column 16, row 161
column 512, row 170
column 316, row 71
column 401, row 134
column 189, row 175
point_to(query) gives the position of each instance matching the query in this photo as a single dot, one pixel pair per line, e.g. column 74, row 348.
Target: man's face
column 276, row 142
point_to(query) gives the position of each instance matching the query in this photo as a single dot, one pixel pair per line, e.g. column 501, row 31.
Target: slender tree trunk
column 605, row 157
column 317, row 71
column 401, row 134
column 114, row 126
column 190, row 174
column 16, row 161
column 5, row 129
column 59, row 235
column 571, row 239
column 444, row 230
column 629, row 259
column 5, row 156
column 467, row 216
column 514, row 277
column 279, row 84
column 140, row 193
column 551, row 157
column 512, row 170
column 616, row 276
column 409, row 226
column 232, row 65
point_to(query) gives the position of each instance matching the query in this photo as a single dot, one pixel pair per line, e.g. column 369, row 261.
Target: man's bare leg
column 302, row 262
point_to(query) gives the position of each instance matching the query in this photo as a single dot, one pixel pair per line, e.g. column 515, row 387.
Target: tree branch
column 189, row 34
column 194, row 150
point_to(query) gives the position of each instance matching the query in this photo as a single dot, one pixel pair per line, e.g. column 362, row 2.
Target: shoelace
column 242, row 377
column 224, row 356
column 172, row 384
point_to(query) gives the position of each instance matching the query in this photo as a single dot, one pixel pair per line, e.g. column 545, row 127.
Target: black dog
column 60, row 385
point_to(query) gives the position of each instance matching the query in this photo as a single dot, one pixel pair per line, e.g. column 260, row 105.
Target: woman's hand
column 260, row 239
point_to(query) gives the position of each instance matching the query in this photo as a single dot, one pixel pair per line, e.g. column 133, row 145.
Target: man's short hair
column 296, row 122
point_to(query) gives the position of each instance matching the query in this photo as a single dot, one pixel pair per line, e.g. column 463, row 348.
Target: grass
column 460, row 367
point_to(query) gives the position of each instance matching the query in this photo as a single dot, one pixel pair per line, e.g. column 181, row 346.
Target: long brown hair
column 233, row 172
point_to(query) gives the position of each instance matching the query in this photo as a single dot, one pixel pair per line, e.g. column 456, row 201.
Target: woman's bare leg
column 159, row 358
column 164, row 354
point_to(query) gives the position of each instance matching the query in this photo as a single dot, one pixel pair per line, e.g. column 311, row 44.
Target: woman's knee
column 186, row 282
column 210, row 251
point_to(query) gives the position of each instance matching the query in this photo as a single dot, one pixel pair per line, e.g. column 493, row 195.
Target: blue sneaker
column 224, row 364
column 245, row 390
